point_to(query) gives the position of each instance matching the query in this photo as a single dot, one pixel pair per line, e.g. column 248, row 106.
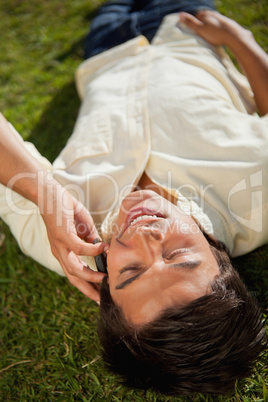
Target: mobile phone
column 100, row 260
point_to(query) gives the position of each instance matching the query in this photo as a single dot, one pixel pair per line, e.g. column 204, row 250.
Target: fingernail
column 106, row 248
column 98, row 303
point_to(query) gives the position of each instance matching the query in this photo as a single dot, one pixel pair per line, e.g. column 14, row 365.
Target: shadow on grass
column 56, row 124
column 77, row 48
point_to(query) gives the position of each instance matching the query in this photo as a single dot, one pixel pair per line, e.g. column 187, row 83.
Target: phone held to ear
column 100, row 260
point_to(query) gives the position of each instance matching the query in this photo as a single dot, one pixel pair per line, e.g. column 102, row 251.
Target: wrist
column 39, row 187
column 239, row 38
column 49, row 193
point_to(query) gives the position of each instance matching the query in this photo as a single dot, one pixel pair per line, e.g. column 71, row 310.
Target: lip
column 135, row 213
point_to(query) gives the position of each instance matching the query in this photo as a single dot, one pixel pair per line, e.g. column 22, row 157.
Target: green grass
column 48, row 344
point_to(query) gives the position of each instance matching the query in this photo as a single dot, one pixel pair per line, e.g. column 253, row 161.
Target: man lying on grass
column 167, row 154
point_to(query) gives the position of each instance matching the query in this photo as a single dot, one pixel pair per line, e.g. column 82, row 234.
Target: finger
column 76, row 267
column 190, row 20
column 83, row 222
column 209, row 17
column 90, row 286
column 92, row 291
column 81, row 247
column 92, row 236
column 86, row 230
column 203, row 14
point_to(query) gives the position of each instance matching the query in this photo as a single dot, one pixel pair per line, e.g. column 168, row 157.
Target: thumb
column 190, row 21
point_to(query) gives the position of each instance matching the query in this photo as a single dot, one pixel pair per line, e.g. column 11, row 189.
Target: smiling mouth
column 141, row 215
column 142, row 218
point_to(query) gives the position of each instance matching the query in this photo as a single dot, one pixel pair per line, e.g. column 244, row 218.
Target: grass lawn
column 48, row 345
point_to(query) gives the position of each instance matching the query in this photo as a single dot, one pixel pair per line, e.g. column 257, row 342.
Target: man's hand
column 70, row 227
column 220, row 30
column 71, row 231
column 214, row 27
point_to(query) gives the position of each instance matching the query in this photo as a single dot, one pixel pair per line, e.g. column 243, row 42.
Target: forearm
column 254, row 62
column 19, row 170
column 69, row 226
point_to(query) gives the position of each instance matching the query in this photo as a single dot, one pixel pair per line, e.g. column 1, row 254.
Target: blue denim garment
column 122, row 20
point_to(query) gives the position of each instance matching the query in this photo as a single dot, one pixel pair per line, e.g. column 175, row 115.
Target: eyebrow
column 186, row 264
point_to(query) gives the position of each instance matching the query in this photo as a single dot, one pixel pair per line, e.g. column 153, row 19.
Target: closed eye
column 176, row 252
column 181, row 265
column 123, row 284
column 130, row 268
column 137, row 268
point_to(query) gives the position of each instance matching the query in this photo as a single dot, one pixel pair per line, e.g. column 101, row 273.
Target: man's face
column 158, row 258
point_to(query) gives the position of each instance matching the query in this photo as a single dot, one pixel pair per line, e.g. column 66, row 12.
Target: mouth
column 141, row 215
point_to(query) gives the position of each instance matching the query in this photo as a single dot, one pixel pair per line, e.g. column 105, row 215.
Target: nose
column 148, row 241
column 147, row 234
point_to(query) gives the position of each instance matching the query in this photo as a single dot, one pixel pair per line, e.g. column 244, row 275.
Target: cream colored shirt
column 178, row 110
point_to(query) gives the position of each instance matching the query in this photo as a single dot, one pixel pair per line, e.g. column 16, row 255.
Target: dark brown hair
column 202, row 347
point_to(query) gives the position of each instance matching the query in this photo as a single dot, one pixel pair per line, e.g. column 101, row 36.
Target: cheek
column 113, row 246
column 115, row 259
column 185, row 228
column 184, row 225
column 111, row 258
